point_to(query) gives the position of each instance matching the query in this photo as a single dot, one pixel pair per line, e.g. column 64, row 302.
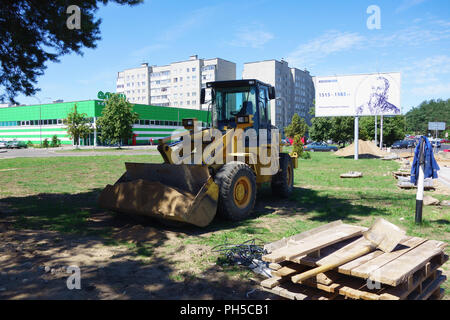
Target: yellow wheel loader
column 214, row 169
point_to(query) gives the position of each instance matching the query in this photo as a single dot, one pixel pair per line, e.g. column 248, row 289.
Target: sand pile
column 365, row 148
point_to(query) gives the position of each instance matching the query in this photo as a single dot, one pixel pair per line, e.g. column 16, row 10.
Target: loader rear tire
column 283, row 182
column 237, row 191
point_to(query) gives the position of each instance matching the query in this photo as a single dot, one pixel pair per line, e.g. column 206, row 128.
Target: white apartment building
column 177, row 84
column 135, row 84
column 294, row 89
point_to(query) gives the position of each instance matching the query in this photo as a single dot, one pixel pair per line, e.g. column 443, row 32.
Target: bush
column 45, row 143
column 29, row 144
column 55, row 142
column 298, row 147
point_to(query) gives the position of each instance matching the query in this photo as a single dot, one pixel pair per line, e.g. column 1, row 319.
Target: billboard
column 358, row 95
column 440, row 126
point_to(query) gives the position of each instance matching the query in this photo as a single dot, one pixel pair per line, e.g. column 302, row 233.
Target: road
column 444, row 175
column 66, row 152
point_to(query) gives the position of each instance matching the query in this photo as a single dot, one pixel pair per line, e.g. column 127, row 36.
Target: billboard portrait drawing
column 377, row 102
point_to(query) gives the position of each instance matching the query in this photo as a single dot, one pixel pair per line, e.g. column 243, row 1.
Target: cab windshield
column 234, row 101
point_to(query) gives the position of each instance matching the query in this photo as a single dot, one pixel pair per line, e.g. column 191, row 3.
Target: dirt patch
column 34, row 265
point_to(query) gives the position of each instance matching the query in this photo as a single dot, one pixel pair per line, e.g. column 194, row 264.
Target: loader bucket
column 184, row 193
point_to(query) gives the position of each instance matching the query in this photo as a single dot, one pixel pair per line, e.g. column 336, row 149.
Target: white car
column 3, row 145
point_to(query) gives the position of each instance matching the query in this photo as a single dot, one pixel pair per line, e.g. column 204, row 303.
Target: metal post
column 40, row 124
column 95, row 132
column 356, row 138
column 381, row 131
column 420, row 182
column 376, row 127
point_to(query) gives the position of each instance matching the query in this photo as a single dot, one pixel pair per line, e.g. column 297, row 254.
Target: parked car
column 3, row 145
column 445, row 141
column 319, row 146
column 436, row 143
column 401, row 144
column 285, row 142
column 411, row 143
column 16, row 144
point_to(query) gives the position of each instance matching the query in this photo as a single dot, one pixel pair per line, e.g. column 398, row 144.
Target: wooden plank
column 324, row 239
column 270, row 247
column 326, row 278
column 289, row 270
column 437, row 295
column 311, row 258
column 275, row 266
column 344, row 252
column 313, row 243
column 299, row 292
column 401, row 292
column 348, row 267
column 398, row 270
column 431, row 288
column 271, row 282
column 369, row 269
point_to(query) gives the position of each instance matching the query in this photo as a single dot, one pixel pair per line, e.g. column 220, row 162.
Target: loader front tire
column 283, row 182
column 237, row 191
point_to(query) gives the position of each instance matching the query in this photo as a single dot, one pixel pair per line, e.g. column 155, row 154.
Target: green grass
column 59, row 193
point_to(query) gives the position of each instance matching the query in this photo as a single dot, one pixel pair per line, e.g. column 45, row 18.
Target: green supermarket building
column 35, row 123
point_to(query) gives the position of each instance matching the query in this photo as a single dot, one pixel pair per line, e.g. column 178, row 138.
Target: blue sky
column 326, row 37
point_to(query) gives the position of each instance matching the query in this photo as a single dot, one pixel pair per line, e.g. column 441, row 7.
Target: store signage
column 105, row 95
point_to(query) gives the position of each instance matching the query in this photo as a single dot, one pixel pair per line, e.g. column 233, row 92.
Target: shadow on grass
column 79, row 213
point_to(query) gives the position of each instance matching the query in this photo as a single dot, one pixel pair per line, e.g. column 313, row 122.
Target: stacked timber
column 410, row 272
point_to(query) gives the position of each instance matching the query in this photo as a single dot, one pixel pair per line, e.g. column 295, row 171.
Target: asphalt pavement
column 66, row 152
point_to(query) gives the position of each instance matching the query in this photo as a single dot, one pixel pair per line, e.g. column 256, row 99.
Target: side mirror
column 271, row 93
column 202, row 96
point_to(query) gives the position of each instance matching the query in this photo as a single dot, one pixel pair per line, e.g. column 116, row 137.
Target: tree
column 428, row 111
column 78, row 125
column 297, row 126
column 117, row 119
column 338, row 129
column 342, row 129
column 33, row 32
column 394, row 128
column 320, row 129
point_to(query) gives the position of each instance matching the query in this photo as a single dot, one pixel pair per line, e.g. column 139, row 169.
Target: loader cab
column 240, row 103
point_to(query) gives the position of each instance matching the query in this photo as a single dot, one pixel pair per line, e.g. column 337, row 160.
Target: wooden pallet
column 408, row 272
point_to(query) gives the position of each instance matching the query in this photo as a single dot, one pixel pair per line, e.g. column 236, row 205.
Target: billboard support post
column 376, row 127
column 356, row 138
column 381, row 132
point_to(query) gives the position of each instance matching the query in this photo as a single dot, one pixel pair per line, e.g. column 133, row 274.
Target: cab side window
column 263, row 103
